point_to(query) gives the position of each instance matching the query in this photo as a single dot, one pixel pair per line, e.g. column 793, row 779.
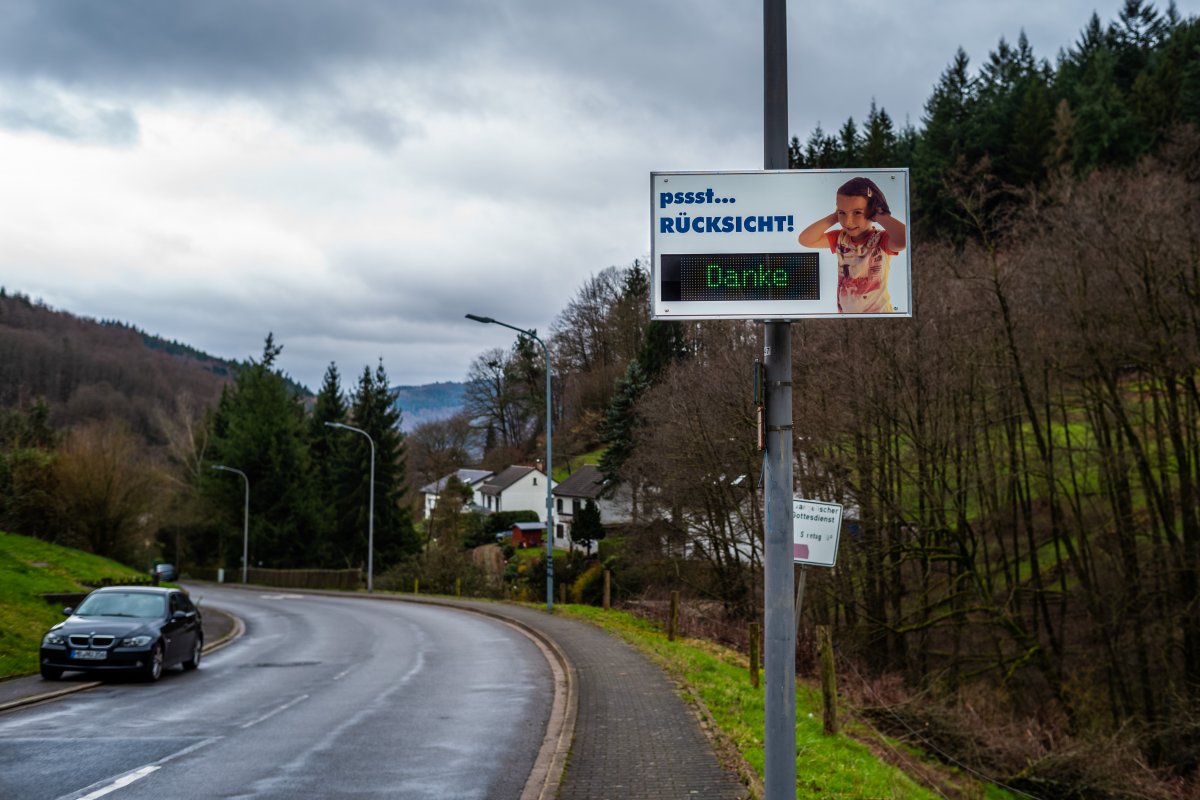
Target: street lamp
column 549, row 471
column 245, row 519
column 371, row 505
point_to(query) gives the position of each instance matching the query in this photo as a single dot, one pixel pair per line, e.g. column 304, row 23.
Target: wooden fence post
column 828, row 678
column 607, row 589
column 754, row 638
column 458, row 587
column 416, row 585
column 674, row 621
column 562, row 593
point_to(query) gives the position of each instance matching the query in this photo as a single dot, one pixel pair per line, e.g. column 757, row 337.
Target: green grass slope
column 852, row 765
column 30, row 568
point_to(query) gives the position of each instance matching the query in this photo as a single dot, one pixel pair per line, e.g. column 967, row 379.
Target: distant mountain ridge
column 86, row 368
column 429, row 402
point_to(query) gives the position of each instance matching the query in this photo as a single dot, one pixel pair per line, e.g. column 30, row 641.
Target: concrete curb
column 239, row 628
column 48, row 696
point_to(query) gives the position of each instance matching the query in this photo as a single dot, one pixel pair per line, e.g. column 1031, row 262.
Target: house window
column 575, row 507
column 560, row 505
column 535, row 481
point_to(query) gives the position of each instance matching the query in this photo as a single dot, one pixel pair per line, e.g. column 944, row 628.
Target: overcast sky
column 356, row 175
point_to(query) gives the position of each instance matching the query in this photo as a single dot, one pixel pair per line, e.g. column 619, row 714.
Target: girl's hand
column 814, row 234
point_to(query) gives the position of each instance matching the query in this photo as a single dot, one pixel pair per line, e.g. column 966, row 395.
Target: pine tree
column 943, row 146
column 616, row 431
column 849, row 145
column 587, row 527
column 325, row 445
column 665, row 343
column 259, row 428
column 1033, row 134
column 373, row 409
column 820, row 151
column 879, row 140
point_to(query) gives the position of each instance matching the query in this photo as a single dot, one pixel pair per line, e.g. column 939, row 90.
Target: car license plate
column 89, row 655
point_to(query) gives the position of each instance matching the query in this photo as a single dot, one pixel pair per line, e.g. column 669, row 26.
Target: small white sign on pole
column 816, row 528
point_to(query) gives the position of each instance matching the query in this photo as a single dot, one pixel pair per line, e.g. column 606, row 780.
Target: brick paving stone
column 635, row 739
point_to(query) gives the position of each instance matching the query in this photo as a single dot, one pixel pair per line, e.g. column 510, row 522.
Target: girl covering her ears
column 864, row 252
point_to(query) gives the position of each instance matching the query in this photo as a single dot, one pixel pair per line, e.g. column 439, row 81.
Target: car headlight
column 136, row 641
column 53, row 638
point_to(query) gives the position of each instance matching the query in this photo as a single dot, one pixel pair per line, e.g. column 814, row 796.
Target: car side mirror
column 68, row 611
column 179, row 615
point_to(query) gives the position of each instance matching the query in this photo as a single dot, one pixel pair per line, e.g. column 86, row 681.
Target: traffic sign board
column 816, row 528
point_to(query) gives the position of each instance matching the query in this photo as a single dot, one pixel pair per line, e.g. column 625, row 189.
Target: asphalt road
column 323, row 697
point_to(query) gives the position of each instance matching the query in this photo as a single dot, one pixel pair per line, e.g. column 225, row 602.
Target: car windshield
column 122, row 604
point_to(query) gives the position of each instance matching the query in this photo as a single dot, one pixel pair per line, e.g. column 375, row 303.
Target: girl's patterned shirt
column 862, row 271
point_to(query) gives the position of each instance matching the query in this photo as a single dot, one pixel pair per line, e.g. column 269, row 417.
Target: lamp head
column 477, row 318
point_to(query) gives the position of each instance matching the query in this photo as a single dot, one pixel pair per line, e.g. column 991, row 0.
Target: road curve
column 322, row 697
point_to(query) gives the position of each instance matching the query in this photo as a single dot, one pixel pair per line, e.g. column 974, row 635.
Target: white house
column 516, row 489
column 587, row 483
column 473, row 478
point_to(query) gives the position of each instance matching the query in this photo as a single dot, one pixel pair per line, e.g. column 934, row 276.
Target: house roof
column 586, row 481
column 468, row 476
column 505, row 479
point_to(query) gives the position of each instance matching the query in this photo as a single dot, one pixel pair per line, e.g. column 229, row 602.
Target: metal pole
column 779, row 739
column 245, row 519
column 371, row 523
column 801, row 580
column 549, row 494
column 370, row 505
column 246, row 534
column 549, row 466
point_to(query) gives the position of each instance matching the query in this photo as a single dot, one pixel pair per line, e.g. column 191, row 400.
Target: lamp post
column 245, row 519
column 371, row 505
column 549, row 471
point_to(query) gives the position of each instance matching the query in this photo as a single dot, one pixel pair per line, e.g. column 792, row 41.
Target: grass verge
column 30, row 568
column 715, row 681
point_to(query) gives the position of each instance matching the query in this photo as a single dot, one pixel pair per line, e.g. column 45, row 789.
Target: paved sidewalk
column 633, row 737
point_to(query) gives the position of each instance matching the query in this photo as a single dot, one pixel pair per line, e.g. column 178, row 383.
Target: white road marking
column 273, row 712
column 121, row 782
column 128, row 777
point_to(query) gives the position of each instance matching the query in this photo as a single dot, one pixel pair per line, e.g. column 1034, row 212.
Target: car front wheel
column 154, row 667
column 194, row 661
column 51, row 673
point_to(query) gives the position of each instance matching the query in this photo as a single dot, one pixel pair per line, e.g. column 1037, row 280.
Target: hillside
column 30, row 568
column 85, row 369
column 433, row 401
column 89, row 369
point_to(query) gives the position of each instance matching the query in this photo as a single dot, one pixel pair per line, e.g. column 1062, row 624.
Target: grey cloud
column 75, row 122
column 376, row 127
column 219, row 45
column 645, row 51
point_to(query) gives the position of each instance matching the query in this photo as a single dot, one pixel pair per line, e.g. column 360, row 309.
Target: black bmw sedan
column 142, row 629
